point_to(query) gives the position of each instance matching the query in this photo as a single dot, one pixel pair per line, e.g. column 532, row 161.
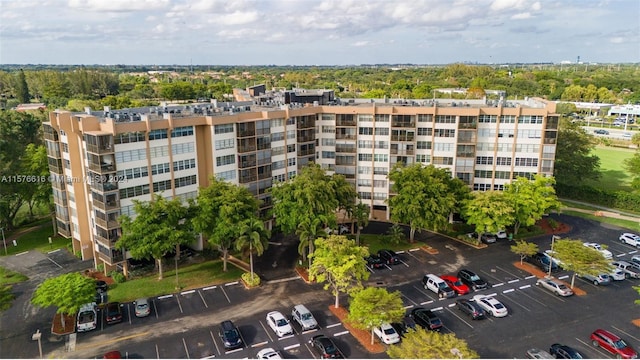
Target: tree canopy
column 254, row 236
column 68, row 292
column 424, row 196
column 489, row 211
column 531, row 199
column 524, row 249
column 373, row 306
column 575, row 161
column 426, row 344
column 582, row 260
column 340, row 263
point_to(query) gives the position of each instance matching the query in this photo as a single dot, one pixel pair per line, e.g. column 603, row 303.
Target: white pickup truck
column 87, row 317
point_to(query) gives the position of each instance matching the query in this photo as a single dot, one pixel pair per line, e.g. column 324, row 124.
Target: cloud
column 117, row 5
column 521, row 16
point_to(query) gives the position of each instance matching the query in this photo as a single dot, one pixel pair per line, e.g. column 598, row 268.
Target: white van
column 438, row 286
column 87, row 317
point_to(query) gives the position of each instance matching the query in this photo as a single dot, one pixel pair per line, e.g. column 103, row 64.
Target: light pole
column 36, row 336
column 4, row 241
column 553, row 241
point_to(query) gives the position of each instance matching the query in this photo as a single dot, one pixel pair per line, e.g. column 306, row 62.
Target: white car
column 491, row 305
column 279, row 324
column 268, row 353
column 387, row 334
column 617, row 274
column 606, row 253
column 555, row 287
column 501, row 234
column 631, row 239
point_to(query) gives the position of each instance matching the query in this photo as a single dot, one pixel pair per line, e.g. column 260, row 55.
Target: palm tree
column 253, row 234
column 361, row 215
column 309, row 230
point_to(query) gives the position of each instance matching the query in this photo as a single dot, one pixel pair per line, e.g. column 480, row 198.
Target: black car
column 564, row 352
column 601, row 132
column 113, row 312
column 389, row 257
column 471, row 308
column 325, row 347
column 230, row 335
column 404, row 326
column 101, row 286
column 543, row 261
column 472, row 280
column 374, row 262
column 426, row 318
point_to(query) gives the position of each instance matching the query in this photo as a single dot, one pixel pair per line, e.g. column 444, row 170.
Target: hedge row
column 613, row 199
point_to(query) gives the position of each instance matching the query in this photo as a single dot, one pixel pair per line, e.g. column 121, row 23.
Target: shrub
column 117, row 276
column 246, row 277
column 470, row 240
column 552, row 223
column 100, row 267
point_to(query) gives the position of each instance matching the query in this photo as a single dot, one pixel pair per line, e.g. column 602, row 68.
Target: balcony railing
column 107, row 224
column 402, row 151
column 467, row 125
column 402, row 137
column 64, row 231
column 465, row 154
column 100, row 149
column 306, row 152
column 307, row 138
column 104, row 187
column 345, row 122
column 62, row 217
column 109, row 205
column 111, row 259
column 549, row 140
column 56, row 168
column 102, row 168
column 345, row 136
column 54, row 153
column 246, row 148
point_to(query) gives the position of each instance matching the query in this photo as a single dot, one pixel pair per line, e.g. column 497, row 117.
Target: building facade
column 102, row 161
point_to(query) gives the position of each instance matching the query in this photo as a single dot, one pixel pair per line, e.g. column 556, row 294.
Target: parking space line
column 291, row 347
column 155, row 308
column 423, row 293
column 524, row 287
column 233, row 351
column 626, row 333
column 400, row 252
column 437, row 309
column 498, row 284
column 513, row 281
column 594, row 348
column 368, row 268
column 563, row 277
column 157, row 352
column 426, row 302
column 404, row 296
column 308, row 331
column 185, row 348
column 265, row 330
column 285, row 337
column 242, row 338
column 214, row 342
column 310, row 352
column 508, row 291
column 414, row 249
column 620, row 255
column 22, row 253
column 231, row 283
column 510, row 273
column 452, row 305
column 209, row 288
column 333, row 325
column 129, row 313
column 517, row 303
column 405, row 264
column 341, row 333
column 165, row 296
column 388, row 267
column 492, row 294
column 225, row 294
column 408, row 306
column 53, row 251
column 461, row 319
column 259, row 344
column 179, row 305
column 187, row 292
column 203, row 301
column 530, row 277
column 633, row 252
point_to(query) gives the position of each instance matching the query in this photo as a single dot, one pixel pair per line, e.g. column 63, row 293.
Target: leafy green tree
column 575, row 161
column 425, row 344
column 632, row 165
column 160, row 226
column 340, row 263
column 489, row 211
column 309, row 230
column 360, row 214
column 372, row 306
column 395, row 234
column 424, row 196
column 221, row 208
column 67, row 292
column 531, row 199
column 524, row 249
column 35, row 163
column 566, row 108
column 582, row 260
column 22, row 89
column 254, row 236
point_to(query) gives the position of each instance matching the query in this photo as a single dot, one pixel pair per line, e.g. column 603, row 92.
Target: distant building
column 31, row 107
column 303, row 96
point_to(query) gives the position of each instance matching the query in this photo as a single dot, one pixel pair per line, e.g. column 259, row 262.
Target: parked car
column 426, row 318
column 229, row 335
column 113, row 313
column 501, row 234
column 491, row 305
column 555, row 287
column 115, row 354
column 387, row 334
column 551, row 254
column 606, row 253
column 325, row 347
column 631, row 270
column 389, row 257
column 626, row 136
column 279, row 324
column 404, row 326
column 101, row 286
column 87, row 317
column 142, row 307
column 486, row 238
column 535, row 353
column 268, row 353
column 617, row 274
column 564, row 352
column 438, row 286
column 602, row 279
column 631, row 239
column 374, row 262
column 470, row 308
column 543, row 261
column 613, row 344
column 303, row 316
column 472, row 280
column 456, row 284
column 601, row 132
column 341, row 230
column 635, row 259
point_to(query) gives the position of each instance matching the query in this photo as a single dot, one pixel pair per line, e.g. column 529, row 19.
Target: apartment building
column 107, row 159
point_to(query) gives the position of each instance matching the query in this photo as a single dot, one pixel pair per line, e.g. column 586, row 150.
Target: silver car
column 303, row 316
column 602, row 279
column 555, row 287
column 142, row 307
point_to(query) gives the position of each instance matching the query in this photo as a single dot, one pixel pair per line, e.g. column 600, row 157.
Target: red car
column 458, row 286
column 613, row 344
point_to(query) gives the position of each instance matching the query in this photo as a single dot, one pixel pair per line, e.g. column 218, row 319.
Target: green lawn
column 189, row 277
column 37, row 239
column 8, row 277
column 614, row 176
column 377, row 242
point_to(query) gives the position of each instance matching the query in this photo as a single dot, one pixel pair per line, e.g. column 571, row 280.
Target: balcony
column 64, row 231
column 106, row 240
column 60, row 200
column 403, row 124
column 307, row 138
column 113, row 258
column 345, row 122
column 53, row 152
column 346, row 149
column 55, row 165
column 340, row 160
column 104, row 187
column 402, row 151
column 402, row 137
column 62, row 217
column 549, row 141
column 466, row 154
column 107, row 224
column 104, row 148
column 340, row 136
column 471, row 125
column 105, row 206
column 469, row 139
column 306, row 152
column 246, row 148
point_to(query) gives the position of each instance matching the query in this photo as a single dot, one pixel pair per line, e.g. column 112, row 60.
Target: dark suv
column 472, row 280
column 471, row 308
column 389, row 257
column 426, row 318
column 230, row 335
column 325, row 347
column 113, row 313
column 543, row 261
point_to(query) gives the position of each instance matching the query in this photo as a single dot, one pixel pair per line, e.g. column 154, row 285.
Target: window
column 328, row 155
column 380, row 183
column 380, row 171
column 158, row 134
column 487, row 118
column 381, row 145
column 65, row 147
column 382, row 118
column 225, row 160
column 277, row 136
column 529, row 134
column 133, row 173
column 442, row 160
column 505, row 133
column 130, row 155
column 365, row 117
column 223, row 129
column 186, row 181
column 160, row 169
column 528, row 148
column 182, row 131
column 484, row 160
column 162, row 185
column 364, row 182
column 425, row 131
column 528, row 175
column 382, row 131
column 423, row 145
column 481, row 187
column 224, row 144
column 502, row 175
column 278, row 178
column 328, row 142
column 422, row 158
column 182, row 148
column 277, row 122
column 526, row 161
column 508, row 119
column 380, row 157
column 500, row 160
column 291, row 134
column 365, row 144
column 291, row 148
column 134, row 191
column 442, row 147
column 504, row 147
column 530, row 119
column 326, row 129
column 365, row 157
column 364, row 170
column 365, row 131
column 159, row 151
column 364, row 195
column 485, row 174
column 379, row 196
column 67, row 164
column 425, row 118
column 291, row 162
column 445, row 119
column 129, row 137
column 184, row 164
column 445, row 133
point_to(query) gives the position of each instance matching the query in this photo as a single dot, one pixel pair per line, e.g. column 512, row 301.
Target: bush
column 117, row 276
column 100, row 267
column 552, row 223
column 246, row 277
column 470, row 240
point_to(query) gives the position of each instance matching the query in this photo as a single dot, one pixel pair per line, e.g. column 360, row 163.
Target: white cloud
column 520, row 16
column 117, row 5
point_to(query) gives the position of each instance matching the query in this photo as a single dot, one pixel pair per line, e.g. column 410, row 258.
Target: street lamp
column 4, row 241
column 36, row 336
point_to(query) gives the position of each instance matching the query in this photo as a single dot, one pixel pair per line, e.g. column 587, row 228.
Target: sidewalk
column 605, row 212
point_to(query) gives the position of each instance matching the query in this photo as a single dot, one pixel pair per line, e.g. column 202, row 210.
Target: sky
column 321, row 32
